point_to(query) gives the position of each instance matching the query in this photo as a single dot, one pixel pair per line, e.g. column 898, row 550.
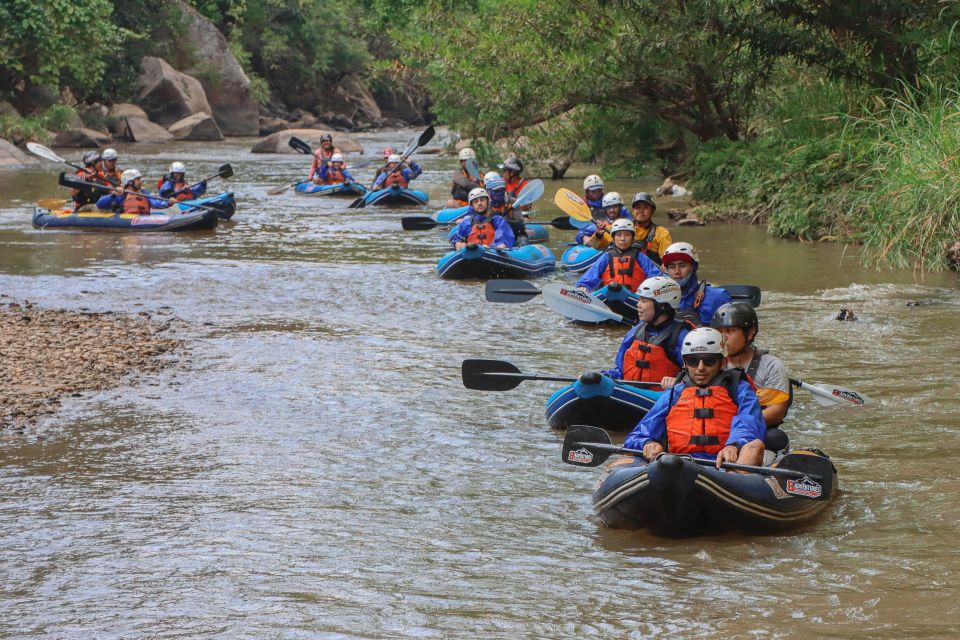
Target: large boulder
column 37, row 99
column 227, row 86
column 199, row 126
column 279, row 142
column 355, row 91
column 127, row 110
column 11, row 157
column 81, row 137
column 168, row 95
column 142, row 130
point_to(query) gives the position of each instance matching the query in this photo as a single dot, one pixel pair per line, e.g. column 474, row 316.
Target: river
column 314, row 468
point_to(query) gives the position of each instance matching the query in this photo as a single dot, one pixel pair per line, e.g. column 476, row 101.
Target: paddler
column 700, row 300
column 711, row 413
column 109, row 169
column 651, row 351
column 497, row 188
column 322, row 155
column 597, row 235
column 140, row 202
column 174, row 184
column 482, row 226
column 593, row 194
column 397, row 173
column 91, row 172
column 651, row 237
column 623, row 262
column 334, row 172
column 462, row 182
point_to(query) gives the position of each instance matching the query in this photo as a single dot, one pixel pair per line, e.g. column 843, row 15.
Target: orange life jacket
column 623, row 267
column 395, row 178
column 136, row 203
column 482, row 232
column 651, row 359
column 180, row 197
column 515, row 185
column 700, row 420
column 334, row 176
column 113, row 177
column 87, row 195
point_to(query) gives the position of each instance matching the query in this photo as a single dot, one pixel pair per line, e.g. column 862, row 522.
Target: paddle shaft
column 71, row 179
column 222, row 169
column 537, row 376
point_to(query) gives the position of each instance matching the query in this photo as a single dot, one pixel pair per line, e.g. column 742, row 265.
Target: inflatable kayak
column 341, row 188
column 536, row 234
column 450, row 216
column 224, row 203
column 476, row 261
column 597, row 400
column 677, row 497
column 108, row 221
column 396, row 195
column 620, row 300
column 579, row 258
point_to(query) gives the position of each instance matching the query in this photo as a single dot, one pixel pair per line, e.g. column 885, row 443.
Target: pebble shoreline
column 47, row 355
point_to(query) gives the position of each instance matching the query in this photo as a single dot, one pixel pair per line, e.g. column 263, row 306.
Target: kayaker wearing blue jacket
column 700, row 300
column 139, row 202
column 624, row 262
column 651, row 351
column 482, row 226
column 334, row 172
column 710, row 413
column 174, row 185
column 597, row 235
column 395, row 174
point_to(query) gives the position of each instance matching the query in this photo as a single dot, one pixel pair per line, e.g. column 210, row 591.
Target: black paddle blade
column 482, row 375
column 818, row 483
column 577, row 449
column 745, row 292
column 359, row 203
column 426, row 136
column 418, row 223
column 299, row 145
column 226, row 171
column 509, row 291
column 561, row 222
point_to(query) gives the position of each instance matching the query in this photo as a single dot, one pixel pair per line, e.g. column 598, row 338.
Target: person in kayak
column 396, row 173
column 109, row 170
column 462, row 182
column 497, row 188
column 91, row 172
column 511, row 170
column 710, row 413
column 139, row 202
column 597, row 235
column 700, row 300
column 322, row 155
column 174, row 186
column 482, row 226
column 650, row 352
column 651, row 237
column 593, row 194
column 334, row 172
column 624, row 262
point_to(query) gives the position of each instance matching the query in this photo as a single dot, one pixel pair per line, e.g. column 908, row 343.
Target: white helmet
column 337, row 157
column 592, row 182
column 393, row 159
column 467, row 154
column 493, row 182
column 680, row 251
column 611, row 199
column 477, row 193
column 660, row 289
column 129, row 176
column 177, row 167
column 623, row 224
column 109, row 154
column 703, row 341
column 490, row 174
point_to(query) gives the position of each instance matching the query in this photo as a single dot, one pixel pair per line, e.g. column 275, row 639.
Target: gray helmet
column 326, row 137
column 513, row 164
column 643, row 196
column 736, row 314
column 90, row 157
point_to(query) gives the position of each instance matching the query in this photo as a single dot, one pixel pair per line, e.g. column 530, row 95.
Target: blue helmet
column 495, row 182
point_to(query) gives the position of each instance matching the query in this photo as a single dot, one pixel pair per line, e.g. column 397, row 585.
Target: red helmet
column 388, row 152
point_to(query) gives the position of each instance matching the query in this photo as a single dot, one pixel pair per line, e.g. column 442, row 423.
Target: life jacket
column 113, row 177
column 460, row 192
column 515, row 185
column 136, row 203
column 623, row 267
column 482, row 230
column 335, row 176
column 180, row 197
column 700, row 420
column 87, row 195
column 645, row 244
column 395, row 179
column 651, row 358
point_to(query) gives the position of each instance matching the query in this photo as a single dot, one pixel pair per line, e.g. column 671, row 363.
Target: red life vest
column 700, row 420
column 623, row 267
column 651, row 359
column 482, row 232
column 515, row 185
column 395, row 178
column 180, row 197
column 136, row 203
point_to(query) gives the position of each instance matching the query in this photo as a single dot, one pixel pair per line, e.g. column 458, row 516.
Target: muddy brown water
column 315, row 468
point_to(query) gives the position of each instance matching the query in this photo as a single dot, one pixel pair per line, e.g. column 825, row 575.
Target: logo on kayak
column 804, row 487
column 576, row 294
column 151, row 219
column 850, row 396
column 580, row 456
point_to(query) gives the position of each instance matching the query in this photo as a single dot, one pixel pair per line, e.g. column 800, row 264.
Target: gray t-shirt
column 771, row 374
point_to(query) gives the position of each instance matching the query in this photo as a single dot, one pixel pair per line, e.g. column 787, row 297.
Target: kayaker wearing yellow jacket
column 652, row 238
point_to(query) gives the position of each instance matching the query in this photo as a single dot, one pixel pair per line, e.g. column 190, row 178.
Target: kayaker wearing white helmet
column 174, row 184
column 597, row 235
column 651, row 237
column 322, row 155
column 131, row 197
column 109, row 169
column 334, row 172
column 650, row 352
column 711, row 413
column 482, row 226
column 496, row 186
column 396, row 173
column 463, row 183
column 593, row 194
column 700, row 300
column 623, row 263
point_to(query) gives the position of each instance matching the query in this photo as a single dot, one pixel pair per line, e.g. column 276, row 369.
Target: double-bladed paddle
column 828, row 395
column 74, row 182
column 589, row 446
column 423, row 223
column 412, row 146
column 225, row 171
column 500, row 375
column 302, row 147
column 573, row 205
column 530, row 193
column 47, row 153
column 473, row 169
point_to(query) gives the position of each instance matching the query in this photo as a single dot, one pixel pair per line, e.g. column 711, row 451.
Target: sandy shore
column 47, row 354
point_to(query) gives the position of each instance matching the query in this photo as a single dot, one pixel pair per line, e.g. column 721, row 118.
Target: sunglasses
column 710, row 360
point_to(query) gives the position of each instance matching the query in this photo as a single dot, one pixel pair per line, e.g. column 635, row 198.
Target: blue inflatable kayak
column 476, row 261
column 579, row 258
column 450, row 216
column 597, row 400
column 108, row 221
column 224, row 203
column 342, row 188
column 536, row 234
column 396, row 195
column 620, row 300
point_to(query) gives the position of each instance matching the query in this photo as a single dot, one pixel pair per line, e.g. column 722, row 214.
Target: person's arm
column 653, row 426
column 199, row 190
column 772, row 374
column 347, row 176
column 504, row 237
column 156, row 203
column 585, row 233
column 591, row 278
column 167, row 188
column 323, row 172
column 661, row 240
column 415, row 170
column 617, row 372
column 461, row 232
column 108, row 202
column 649, row 266
column 314, row 167
column 747, row 424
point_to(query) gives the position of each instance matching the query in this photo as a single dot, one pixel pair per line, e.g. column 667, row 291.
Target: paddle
column 225, row 171
column 512, row 291
column 53, row 203
column 530, row 193
column 75, row 183
column 589, row 446
column 577, row 304
column 47, row 153
column 300, row 146
column 833, row 396
column 573, row 205
column 500, row 375
column 473, row 169
column 424, row 138
column 423, row 223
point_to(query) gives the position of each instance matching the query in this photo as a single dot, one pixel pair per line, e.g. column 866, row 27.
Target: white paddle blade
column 577, row 304
column 46, row 153
column 530, row 193
column 832, row 396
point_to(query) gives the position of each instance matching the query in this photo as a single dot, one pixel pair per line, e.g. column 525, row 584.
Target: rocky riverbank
column 47, row 355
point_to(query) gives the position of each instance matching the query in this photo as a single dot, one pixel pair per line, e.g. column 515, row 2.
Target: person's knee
column 751, row 453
